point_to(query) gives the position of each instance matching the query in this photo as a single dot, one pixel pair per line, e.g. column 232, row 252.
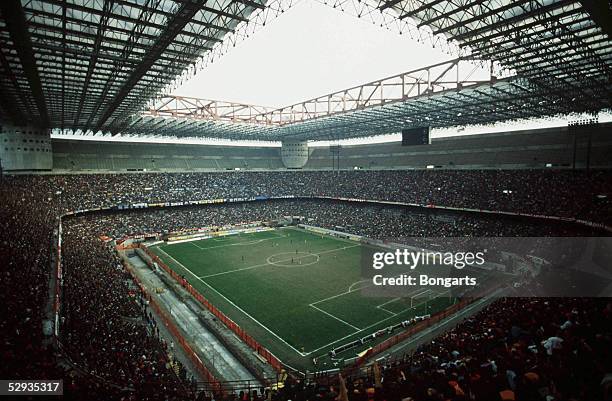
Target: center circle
column 299, row 259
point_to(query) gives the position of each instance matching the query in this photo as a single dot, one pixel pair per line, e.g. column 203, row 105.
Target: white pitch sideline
column 236, row 306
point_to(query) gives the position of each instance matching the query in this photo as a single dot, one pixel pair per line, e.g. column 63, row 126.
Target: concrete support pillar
column 25, row 148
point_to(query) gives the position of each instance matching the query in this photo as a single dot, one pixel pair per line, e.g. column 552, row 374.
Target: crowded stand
column 359, row 218
column 108, row 327
column 574, row 194
column 112, row 349
column 518, row 349
column 26, row 229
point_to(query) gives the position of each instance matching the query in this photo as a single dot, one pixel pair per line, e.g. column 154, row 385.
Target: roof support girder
column 15, row 20
column 181, row 18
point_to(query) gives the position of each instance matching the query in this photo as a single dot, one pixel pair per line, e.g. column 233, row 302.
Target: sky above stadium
column 309, row 51
column 312, row 50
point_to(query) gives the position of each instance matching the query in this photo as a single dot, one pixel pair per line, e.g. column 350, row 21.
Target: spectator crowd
column 111, row 348
column 535, row 349
column 574, row 194
column 382, row 222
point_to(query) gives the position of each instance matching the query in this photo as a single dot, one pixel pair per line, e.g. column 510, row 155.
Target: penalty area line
column 362, row 330
column 350, row 290
column 335, row 317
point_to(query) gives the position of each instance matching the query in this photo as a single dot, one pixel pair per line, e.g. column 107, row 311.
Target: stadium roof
column 89, row 64
column 95, row 65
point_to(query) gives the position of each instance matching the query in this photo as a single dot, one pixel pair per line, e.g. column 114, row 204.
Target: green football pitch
column 296, row 292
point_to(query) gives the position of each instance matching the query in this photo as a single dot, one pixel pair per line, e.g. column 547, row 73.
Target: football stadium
column 281, row 200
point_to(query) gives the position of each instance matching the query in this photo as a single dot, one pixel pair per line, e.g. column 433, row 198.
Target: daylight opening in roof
column 310, row 50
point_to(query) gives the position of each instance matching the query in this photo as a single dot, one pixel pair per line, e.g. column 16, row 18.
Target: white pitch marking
column 335, row 317
column 356, row 282
column 350, row 290
column 386, row 303
column 365, row 328
column 386, row 310
column 256, row 241
column 420, row 292
column 347, row 336
column 196, row 245
column 236, row 306
column 272, row 264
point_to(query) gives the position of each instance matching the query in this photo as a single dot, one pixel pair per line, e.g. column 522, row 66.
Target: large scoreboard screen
column 415, row 136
